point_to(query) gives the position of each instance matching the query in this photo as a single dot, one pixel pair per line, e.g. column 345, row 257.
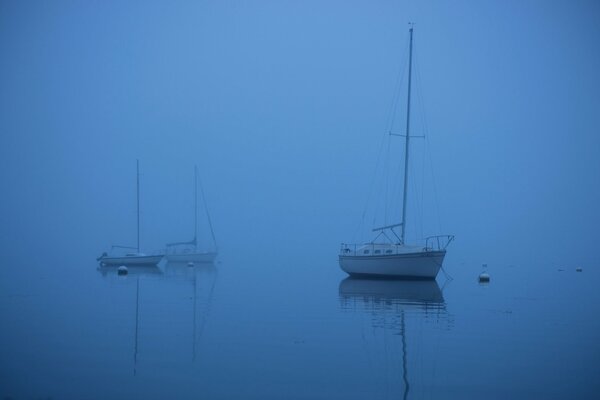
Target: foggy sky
column 282, row 105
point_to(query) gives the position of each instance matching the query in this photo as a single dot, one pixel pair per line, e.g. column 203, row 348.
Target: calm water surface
column 296, row 329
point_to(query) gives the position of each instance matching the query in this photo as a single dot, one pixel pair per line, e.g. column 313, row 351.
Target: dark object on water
column 190, row 264
column 578, row 269
column 122, row 270
column 484, row 277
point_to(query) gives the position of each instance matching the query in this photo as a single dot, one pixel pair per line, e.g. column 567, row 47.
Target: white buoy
column 122, row 270
column 484, row 277
column 190, row 264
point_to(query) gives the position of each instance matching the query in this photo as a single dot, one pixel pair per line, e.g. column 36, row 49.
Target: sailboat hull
column 419, row 265
column 131, row 260
column 208, row 257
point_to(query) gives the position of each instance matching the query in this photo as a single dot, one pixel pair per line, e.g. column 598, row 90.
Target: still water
column 273, row 329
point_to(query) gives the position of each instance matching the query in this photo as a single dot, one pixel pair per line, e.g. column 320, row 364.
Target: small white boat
column 188, row 252
column 395, row 258
column 131, row 259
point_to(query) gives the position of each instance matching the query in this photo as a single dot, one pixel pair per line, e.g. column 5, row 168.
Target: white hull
column 131, row 260
column 419, row 265
column 192, row 257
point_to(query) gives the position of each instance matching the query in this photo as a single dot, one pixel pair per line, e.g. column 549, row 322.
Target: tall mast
column 138, row 203
column 195, row 205
column 407, row 137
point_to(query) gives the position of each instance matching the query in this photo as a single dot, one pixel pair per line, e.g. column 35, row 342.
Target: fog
column 284, row 107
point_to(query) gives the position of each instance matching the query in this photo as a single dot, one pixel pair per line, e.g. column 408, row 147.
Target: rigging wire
column 210, row 225
column 370, row 192
column 387, row 183
column 427, row 149
column 396, row 95
column 421, row 108
column 448, row 277
column 391, row 121
column 387, row 135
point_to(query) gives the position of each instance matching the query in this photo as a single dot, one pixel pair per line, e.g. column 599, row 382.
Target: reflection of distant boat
column 173, row 269
column 426, row 294
column 110, row 270
column 184, row 252
column 154, row 285
column 136, row 258
column 190, row 255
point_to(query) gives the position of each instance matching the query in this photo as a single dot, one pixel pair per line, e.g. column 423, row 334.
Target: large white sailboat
column 396, row 258
column 188, row 252
column 131, row 258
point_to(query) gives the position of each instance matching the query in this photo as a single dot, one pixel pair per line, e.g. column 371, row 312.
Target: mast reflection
column 392, row 305
column 424, row 295
column 167, row 297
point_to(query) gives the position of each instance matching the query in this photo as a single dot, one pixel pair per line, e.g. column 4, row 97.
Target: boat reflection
column 392, row 306
column 193, row 271
column 171, row 300
column 112, row 270
column 375, row 293
column 167, row 270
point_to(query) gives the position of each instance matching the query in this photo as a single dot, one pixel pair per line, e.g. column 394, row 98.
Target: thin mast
column 407, row 137
column 138, row 203
column 195, row 206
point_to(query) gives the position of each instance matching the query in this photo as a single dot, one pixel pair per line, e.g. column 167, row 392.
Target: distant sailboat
column 186, row 252
column 131, row 259
column 396, row 259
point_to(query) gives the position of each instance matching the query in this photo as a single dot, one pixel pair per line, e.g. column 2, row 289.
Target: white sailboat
column 397, row 259
column 188, row 252
column 132, row 258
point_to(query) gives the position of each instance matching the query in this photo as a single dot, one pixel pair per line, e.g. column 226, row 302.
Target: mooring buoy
column 122, row 270
column 484, row 277
column 190, row 264
column 578, row 269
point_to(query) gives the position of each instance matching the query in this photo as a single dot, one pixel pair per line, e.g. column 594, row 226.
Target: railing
column 438, row 243
column 122, row 251
column 348, row 249
column 432, row 243
column 369, row 249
